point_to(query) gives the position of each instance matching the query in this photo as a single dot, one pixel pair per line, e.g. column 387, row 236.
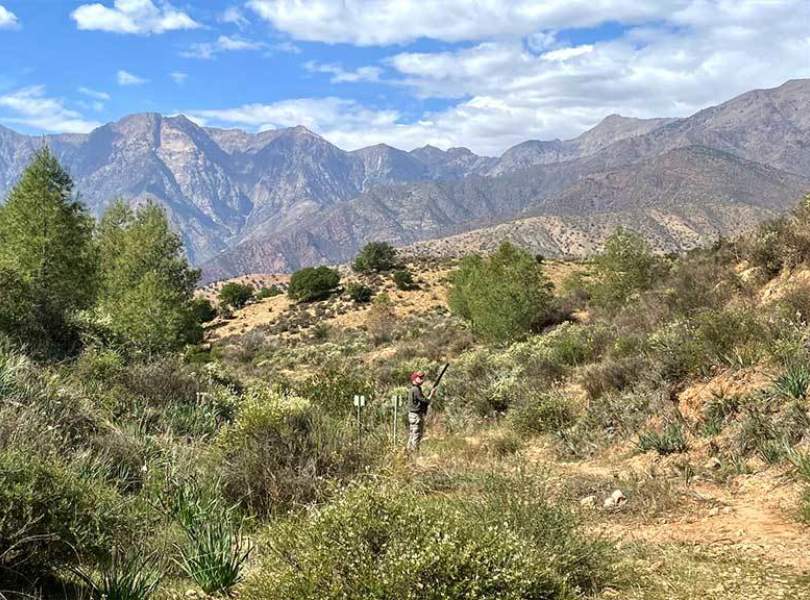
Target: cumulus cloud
column 340, row 75
column 127, row 78
column 385, row 22
column 178, row 77
column 8, row 20
column 224, row 43
column 141, row 17
column 521, row 79
column 31, row 106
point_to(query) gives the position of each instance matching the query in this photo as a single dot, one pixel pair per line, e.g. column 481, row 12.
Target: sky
column 484, row 74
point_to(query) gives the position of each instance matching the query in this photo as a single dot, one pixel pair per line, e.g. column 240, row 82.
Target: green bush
column 313, row 283
column 504, row 296
column 282, row 451
column 804, row 506
column 403, row 279
column 235, row 295
column 383, row 541
column 269, row 292
column 52, row 516
column 203, row 310
column 669, row 440
column 376, row 257
column 542, row 413
column 626, row 266
column 359, row 293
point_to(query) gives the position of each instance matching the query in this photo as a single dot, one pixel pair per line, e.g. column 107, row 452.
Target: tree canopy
column 47, row 256
column 504, row 296
column 147, row 284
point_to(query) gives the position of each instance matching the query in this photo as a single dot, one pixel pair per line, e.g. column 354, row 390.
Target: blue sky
column 484, row 74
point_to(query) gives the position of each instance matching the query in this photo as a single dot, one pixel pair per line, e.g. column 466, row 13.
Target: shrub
column 717, row 411
column 804, row 506
column 543, row 413
column 611, row 376
column 235, row 295
column 269, row 292
column 359, row 293
column 381, row 319
column 50, row 516
column 626, row 266
column 668, row 441
column 203, row 310
column 282, row 451
column 403, row 279
column 313, row 283
column 504, row 296
column 389, row 542
column 375, row 257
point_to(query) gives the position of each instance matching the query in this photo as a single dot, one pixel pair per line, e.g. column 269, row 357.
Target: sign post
column 359, row 403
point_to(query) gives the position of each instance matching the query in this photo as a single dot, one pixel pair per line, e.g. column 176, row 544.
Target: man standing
column 417, row 410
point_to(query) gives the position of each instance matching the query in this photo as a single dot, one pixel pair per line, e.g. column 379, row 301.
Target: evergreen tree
column 147, row 285
column 46, row 249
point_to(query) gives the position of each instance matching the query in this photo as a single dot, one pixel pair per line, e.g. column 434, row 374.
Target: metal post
column 395, row 403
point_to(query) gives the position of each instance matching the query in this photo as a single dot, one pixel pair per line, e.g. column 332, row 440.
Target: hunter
column 417, row 410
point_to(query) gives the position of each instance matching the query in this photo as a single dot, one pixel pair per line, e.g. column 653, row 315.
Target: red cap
column 416, row 374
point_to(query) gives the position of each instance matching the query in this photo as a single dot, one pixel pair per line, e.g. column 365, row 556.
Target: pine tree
column 147, row 285
column 46, row 247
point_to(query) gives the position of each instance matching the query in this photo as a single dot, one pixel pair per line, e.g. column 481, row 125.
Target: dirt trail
column 754, row 514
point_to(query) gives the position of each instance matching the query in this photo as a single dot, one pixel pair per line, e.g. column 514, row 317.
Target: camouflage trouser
column 416, row 427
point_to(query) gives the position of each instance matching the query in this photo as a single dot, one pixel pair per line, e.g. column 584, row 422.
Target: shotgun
column 438, row 380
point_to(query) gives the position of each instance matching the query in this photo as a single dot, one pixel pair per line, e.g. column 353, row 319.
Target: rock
column 713, row 463
column 616, row 499
column 714, row 512
column 727, row 510
column 588, row 502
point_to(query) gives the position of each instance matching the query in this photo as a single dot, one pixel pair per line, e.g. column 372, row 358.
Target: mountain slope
column 717, row 192
column 276, row 200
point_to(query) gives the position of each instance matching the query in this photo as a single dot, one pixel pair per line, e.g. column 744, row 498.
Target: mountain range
column 282, row 199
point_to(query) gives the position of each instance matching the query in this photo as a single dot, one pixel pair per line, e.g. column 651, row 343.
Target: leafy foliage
column 313, row 283
column 387, row 542
column 203, row 310
column 359, row 293
column 376, row 257
column 234, row 294
column 269, row 292
column 626, row 266
column 504, row 296
column 403, row 279
column 147, row 285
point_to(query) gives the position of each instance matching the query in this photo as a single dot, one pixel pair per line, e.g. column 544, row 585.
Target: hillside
column 281, row 199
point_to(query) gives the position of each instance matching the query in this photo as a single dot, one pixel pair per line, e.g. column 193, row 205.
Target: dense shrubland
column 135, row 462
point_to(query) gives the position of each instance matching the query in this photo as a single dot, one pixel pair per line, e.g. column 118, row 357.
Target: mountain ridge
column 287, row 198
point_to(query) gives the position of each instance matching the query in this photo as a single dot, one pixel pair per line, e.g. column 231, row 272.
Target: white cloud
column 234, row 16
column 224, row 43
column 8, row 20
column 384, row 22
column 340, row 75
column 127, row 78
column 140, row 17
column 31, row 107
column 104, row 96
column 515, row 84
column 178, row 77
